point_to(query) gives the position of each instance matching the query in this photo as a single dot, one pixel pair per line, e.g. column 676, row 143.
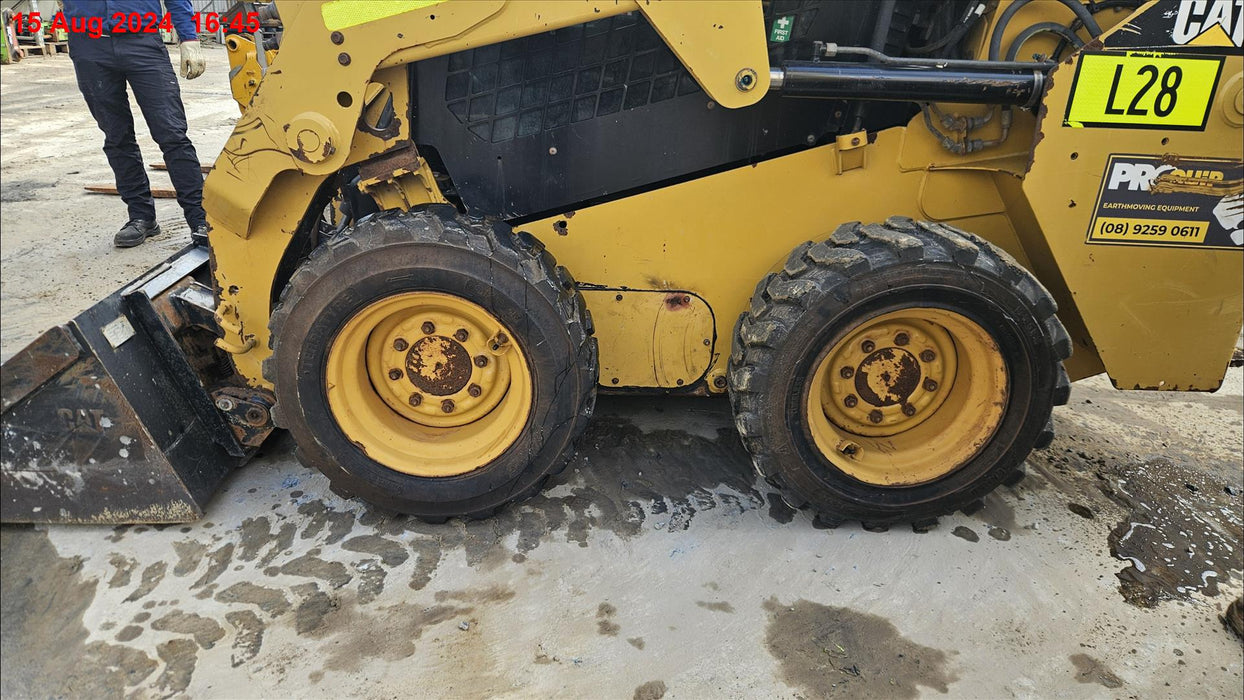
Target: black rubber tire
column 827, row 289
column 510, row 275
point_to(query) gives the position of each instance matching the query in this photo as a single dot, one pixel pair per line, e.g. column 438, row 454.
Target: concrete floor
column 656, row 565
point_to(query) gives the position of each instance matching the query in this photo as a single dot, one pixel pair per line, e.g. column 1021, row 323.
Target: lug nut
column 930, row 385
column 928, row 355
column 474, row 390
column 461, row 334
column 909, row 410
column 875, row 416
column 447, row 406
column 429, row 328
column 850, row 401
column 415, row 399
column 400, row 345
column 846, row 372
column 901, row 339
column 719, row 382
column 868, row 346
column 502, row 338
column 481, row 361
column 395, row 374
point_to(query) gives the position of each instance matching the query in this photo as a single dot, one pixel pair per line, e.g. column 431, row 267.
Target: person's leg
column 103, row 86
column 150, row 74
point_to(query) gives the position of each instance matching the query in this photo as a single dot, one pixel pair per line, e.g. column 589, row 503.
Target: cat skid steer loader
column 891, row 232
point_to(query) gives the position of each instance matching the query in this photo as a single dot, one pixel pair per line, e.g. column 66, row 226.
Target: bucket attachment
column 128, row 413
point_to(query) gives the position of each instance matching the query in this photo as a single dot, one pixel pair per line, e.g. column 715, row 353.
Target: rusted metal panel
column 35, row 364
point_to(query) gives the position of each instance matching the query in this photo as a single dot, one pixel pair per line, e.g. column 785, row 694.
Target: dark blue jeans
column 103, row 67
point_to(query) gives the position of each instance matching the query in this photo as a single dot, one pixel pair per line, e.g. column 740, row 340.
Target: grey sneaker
column 134, row 232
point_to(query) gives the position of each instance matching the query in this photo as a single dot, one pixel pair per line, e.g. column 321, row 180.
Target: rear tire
column 379, row 448
column 935, row 282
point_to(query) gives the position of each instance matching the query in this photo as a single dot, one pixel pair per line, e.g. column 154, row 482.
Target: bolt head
column 846, row 372
column 224, row 404
column 461, row 334
column 447, row 406
column 850, row 401
column 428, row 328
column 720, row 382
column 395, row 374
column 909, row 410
column 928, row 355
column 930, row 385
column 868, row 346
column 875, row 416
column 474, row 390
column 901, row 338
column 481, row 361
column 400, row 345
column 415, row 399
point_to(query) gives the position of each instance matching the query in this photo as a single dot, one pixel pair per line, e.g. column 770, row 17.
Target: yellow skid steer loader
column 891, row 231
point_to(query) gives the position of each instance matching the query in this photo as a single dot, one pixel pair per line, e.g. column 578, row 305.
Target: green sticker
column 781, row 28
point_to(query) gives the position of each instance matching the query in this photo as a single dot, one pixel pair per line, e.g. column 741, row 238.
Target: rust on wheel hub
column 887, row 377
column 438, row 365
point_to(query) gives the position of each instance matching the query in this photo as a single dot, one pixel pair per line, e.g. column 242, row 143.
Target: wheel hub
column 907, row 397
column 438, row 366
column 428, row 383
column 889, row 377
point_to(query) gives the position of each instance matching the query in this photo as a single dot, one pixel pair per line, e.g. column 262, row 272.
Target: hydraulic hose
column 995, row 40
column 1039, row 28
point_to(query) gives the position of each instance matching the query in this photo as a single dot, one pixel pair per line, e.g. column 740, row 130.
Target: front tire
column 896, row 372
column 432, row 365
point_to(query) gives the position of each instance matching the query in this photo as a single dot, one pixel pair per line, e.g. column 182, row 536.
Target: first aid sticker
column 1143, row 90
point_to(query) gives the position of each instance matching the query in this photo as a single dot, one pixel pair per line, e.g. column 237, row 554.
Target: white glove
column 192, row 61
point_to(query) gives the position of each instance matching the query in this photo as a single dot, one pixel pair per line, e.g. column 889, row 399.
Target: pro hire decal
column 1167, row 201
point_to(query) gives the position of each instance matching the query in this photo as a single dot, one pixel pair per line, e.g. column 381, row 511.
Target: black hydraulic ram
column 911, row 80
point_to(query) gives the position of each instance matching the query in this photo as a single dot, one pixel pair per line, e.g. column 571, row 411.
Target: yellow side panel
column 1162, row 301
column 651, row 338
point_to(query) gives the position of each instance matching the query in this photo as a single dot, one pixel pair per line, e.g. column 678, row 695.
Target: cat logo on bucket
column 1209, row 23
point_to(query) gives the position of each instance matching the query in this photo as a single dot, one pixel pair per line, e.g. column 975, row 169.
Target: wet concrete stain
column 826, row 651
column 1181, row 533
column 189, row 555
column 652, row 690
column 249, row 636
column 310, row 613
column 966, row 533
column 217, row 563
column 269, row 600
column 44, row 646
column 389, row 634
column 124, row 567
column 179, row 657
column 1090, row 670
column 605, row 625
column 204, row 630
column 637, row 642
column 311, row 566
column 129, row 633
column 719, row 606
column 1000, row 533
column 997, row 514
column 779, row 510
column 152, row 575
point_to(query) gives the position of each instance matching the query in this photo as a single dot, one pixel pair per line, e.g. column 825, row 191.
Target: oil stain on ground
column 1090, row 670
column 831, row 652
column 1181, row 533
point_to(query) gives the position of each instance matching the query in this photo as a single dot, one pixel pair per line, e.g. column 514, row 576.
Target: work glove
column 192, row 61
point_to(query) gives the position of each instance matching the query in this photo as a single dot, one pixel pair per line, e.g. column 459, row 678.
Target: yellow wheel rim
column 907, row 397
column 428, row 384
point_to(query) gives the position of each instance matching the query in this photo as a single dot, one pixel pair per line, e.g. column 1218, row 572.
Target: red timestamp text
column 134, row 23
